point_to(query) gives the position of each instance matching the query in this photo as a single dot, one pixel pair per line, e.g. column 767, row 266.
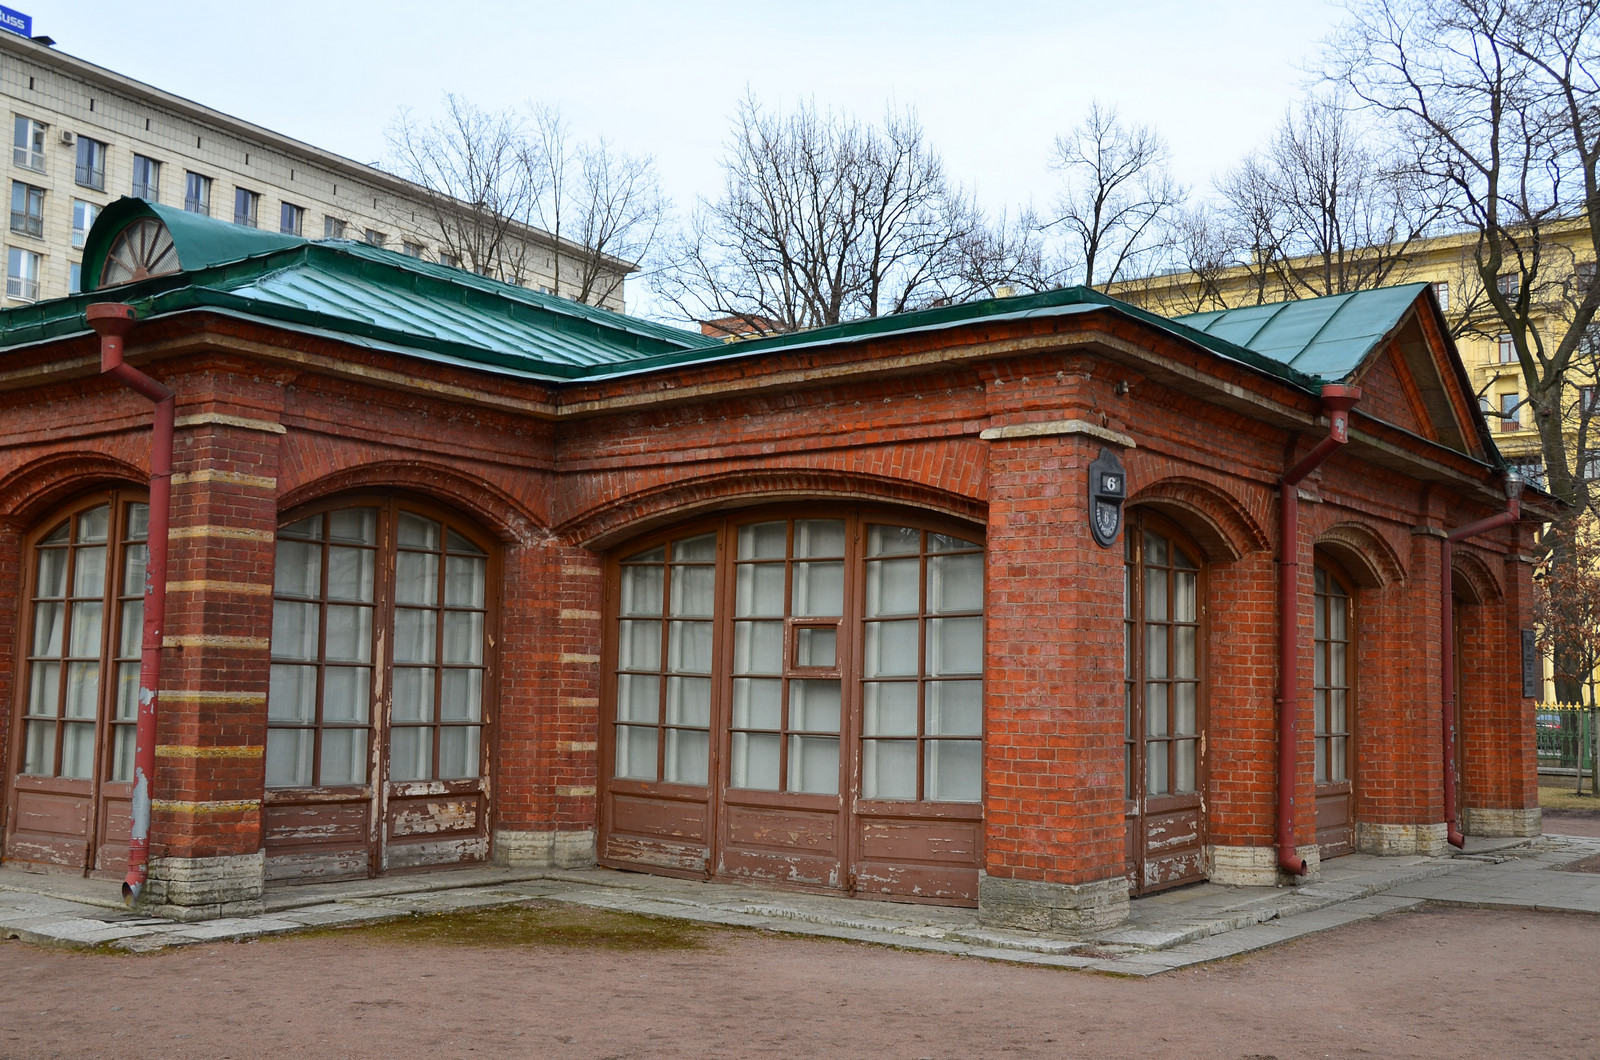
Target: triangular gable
column 1415, row 381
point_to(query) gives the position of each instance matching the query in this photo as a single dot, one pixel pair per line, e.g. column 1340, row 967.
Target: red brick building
column 459, row 572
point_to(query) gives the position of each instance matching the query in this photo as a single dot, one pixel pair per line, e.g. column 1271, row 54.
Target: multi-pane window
column 75, row 277
column 1331, row 680
column 1510, row 404
column 146, row 178
column 84, row 638
column 22, row 274
column 197, row 193
column 664, row 662
column 91, row 168
column 447, row 258
column 922, row 692
column 27, row 209
column 246, row 204
column 1161, row 674
column 373, row 237
column 291, row 218
column 1441, row 291
column 413, row 250
column 28, row 144
column 1507, row 348
column 332, row 228
column 84, row 215
column 1509, row 284
column 330, row 667
column 804, row 630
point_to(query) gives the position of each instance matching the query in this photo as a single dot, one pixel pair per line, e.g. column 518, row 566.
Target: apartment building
column 82, row 136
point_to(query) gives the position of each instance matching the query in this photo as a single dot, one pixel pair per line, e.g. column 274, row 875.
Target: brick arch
column 626, row 517
column 1363, row 554
column 497, row 511
column 31, row 491
column 1218, row 522
column 1474, row 579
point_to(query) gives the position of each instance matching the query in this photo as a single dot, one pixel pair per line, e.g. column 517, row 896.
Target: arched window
column 381, row 635
column 78, row 690
column 1331, row 682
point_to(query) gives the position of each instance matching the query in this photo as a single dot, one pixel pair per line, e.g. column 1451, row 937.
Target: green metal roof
column 388, row 300
column 1326, row 338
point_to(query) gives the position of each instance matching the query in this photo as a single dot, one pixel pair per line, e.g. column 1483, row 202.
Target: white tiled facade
column 75, row 100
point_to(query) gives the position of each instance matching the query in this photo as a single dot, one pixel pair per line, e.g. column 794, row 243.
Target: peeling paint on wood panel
column 919, row 881
column 794, row 868
column 664, row 855
column 436, row 852
column 52, row 812
column 1171, row 870
column 941, row 841
column 782, row 830
column 1166, row 832
column 318, row 865
column 659, row 817
column 293, row 825
column 409, row 818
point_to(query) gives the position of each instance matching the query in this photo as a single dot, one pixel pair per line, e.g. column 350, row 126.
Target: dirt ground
column 1436, row 983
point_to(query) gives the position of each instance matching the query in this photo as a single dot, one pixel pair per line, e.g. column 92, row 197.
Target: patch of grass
column 1560, row 797
column 537, row 924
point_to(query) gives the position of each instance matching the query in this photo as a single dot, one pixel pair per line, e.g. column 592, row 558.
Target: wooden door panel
column 435, row 815
column 933, row 858
column 50, row 825
column 660, row 832
column 116, row 826
column 1174, row 850
column 1335, row 823
column 781, row 843
column 317, row 840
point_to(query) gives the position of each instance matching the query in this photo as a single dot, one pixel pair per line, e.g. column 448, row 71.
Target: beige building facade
column 82, row 136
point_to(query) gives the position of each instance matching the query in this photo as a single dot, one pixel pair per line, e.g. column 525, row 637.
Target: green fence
column 1566, row 734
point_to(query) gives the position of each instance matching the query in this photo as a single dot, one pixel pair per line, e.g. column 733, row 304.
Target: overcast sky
column 992, row 87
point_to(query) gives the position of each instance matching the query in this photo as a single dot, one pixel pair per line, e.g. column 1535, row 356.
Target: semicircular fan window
column 141, row 250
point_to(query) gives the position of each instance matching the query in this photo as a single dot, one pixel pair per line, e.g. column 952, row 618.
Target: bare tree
column 823, row 218
column 476, row 184
column 608, row 205
column 1116, row 196
column 1501, row 102
column 1202, row 249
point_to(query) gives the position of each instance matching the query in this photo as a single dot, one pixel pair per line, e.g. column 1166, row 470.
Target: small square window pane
column 354, row 526
column 416, row 532
column 123, row 738
column 638, row 645
column 955, row 708
column 758, row 647
column 83, row 689
column 689, row 701
column 954, row 770
column 89, row 572
column 134, row 560
column 892, row 648
column 955, row 583
column 346, row 694
column 455, row 542
column 893, row 540
column 127, row 708
column 94, row 524
column 39, row 755
column 309, row 528
column 410, row 753
column 344, row 756
column 688, row 756
column 52, row 580
column 689, row 647
column 1155, row 709
column 1184, row 655
column 1155, row 771
column 642, row 589
column 1155, row 652
column 294, row 630
column 292, row 695
column 464, row 579
column 463, row 637
column 818, row 590
column 636, row 752
column 86, row 628
column 947, row 543
column 819, row 538
column 458, row 752
column 758, row 590
column 890, row 708
column 1155, row 595
column 1183, row 766
column 44, row 689
column 893, row 587
column 1184, row 596
column 289, row 758
column 814, row 706
column 764, row 541
column 49, row 622
column 639, row 698
column 702, row 549
column 814, row 764
column 462, row 696
column 414, row 635
column 955, row 646
column 889, row 769
column 693, row 591
column 350, row 574
column 1183, row 708
column 814, row 646
column 132, row 636
column 650, row 555
column 349, row 634
column 298, row 569
column 413, row 694
column 416, row 578
column 77, row 751
column 757, row 703
column 755, row 761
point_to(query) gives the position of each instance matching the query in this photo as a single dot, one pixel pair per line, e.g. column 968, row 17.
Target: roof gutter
column 113, row 321
column 1447, row 643
column 1337, row 400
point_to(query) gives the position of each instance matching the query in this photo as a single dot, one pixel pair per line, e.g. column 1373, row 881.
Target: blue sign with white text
column 16, row 22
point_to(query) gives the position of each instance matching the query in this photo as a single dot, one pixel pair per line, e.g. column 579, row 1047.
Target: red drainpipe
column 1337, row 400
column 112, row 321
column 1447, row 642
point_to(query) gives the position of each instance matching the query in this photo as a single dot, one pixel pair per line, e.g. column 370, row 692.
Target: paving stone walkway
column 1190, row 925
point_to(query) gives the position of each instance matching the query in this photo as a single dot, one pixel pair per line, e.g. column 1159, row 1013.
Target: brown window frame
column 1321, row 734
column 849, row 659
column 111, row 658
column 379, row 724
